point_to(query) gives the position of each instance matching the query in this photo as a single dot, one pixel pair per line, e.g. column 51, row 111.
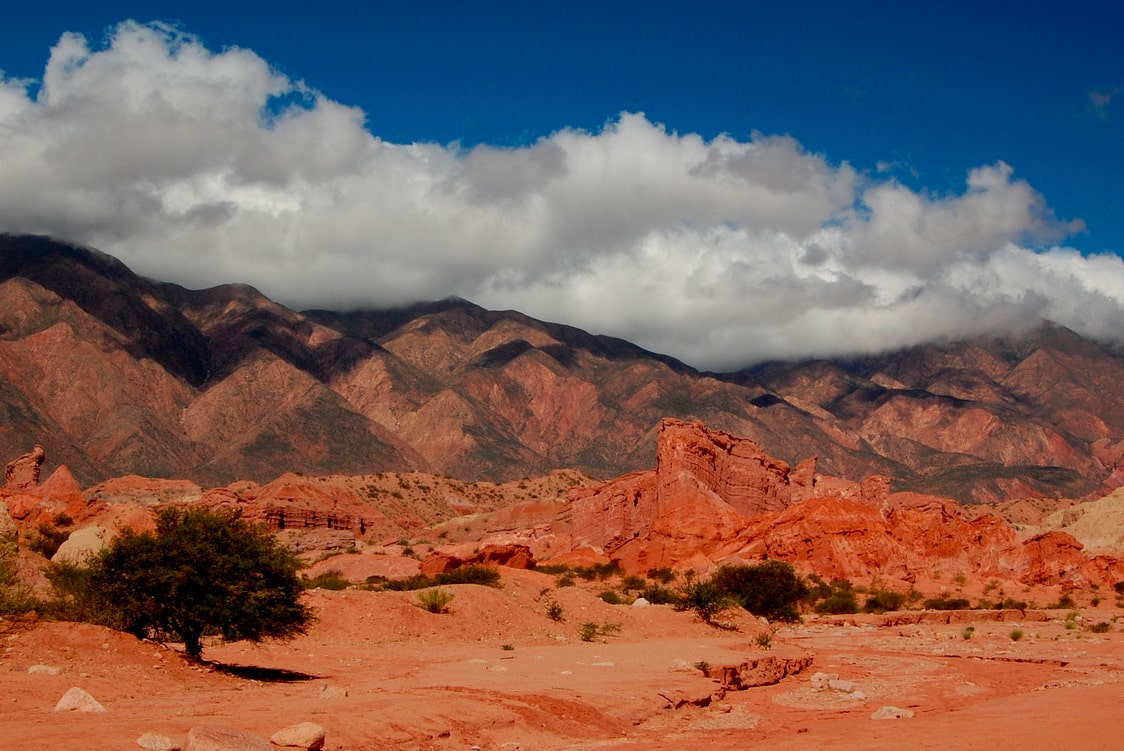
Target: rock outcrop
column 716, row 498
column 22, row 473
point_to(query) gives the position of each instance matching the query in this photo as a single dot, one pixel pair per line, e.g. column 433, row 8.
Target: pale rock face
column 82, row 545
column 217, row 738
column 78, row 700
column 303, row 735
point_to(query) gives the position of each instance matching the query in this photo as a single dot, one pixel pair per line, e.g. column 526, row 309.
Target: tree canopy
column 200, row 573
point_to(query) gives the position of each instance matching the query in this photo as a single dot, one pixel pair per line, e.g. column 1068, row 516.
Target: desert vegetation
column 200, row 573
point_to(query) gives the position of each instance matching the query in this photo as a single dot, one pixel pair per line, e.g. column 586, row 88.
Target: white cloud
column 208, row 167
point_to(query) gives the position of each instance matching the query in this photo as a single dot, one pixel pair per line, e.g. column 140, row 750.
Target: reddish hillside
column 115, row 374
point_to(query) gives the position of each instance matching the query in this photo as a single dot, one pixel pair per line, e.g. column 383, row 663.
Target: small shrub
column 1064, row 602
column 409, row 584
column 564, row 581
column 884, row 600
column 966, row 634
column 1101, row 628
column 764, row 640
column 612, row 597
column 589, row 630
column 1010, row 603
column 554, row 611
column 947, row 603
column 47, row 540
column 838, row 603
column 664, row 575
column 15, row 596
column 474, row 573
column 658, row 595
column 703, row 667
column 705, row 599
column 1017, row 634
column 553, row 569
column 507, row 647
column 599, row 571
column 633, row 584
column 1119, row 588
column 332, row 580
column 435, row 600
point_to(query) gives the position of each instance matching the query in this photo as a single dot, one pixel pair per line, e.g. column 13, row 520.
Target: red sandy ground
column 417, row 680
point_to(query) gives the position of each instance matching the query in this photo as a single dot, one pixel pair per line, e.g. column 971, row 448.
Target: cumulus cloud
column 206, row 167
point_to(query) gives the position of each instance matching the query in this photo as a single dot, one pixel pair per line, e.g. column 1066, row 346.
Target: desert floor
column 378, row 672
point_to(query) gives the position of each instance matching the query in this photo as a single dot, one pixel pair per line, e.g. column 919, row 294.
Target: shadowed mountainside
column 118, row 374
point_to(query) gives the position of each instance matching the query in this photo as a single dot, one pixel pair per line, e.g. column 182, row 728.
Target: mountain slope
column 114, row 373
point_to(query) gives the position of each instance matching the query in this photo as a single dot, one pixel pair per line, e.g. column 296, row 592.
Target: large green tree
column 200, row 573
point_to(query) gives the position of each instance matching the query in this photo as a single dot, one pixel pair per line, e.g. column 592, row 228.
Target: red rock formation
column 714, row 497
column 512, row 556
column 22, row 473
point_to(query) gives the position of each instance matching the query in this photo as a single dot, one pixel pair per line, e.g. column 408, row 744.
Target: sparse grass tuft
column 435, row 600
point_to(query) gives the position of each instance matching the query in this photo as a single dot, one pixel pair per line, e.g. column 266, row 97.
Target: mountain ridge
column 121, row 374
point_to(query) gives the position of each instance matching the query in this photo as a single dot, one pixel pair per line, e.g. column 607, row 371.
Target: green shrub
column 612, row 597
column 599, row 571
column 1064, row 602
column 332, row 580
column 409, row 584
column 553, row 569
column 771, row 589
column 838, row 603
column 564, row 581
column 1101, row 628
column 435, row 600
column 200, row 573
column 1017, row 634
column 661, row 575
column 967, row 633
column 705, row 599
column 633, row 584
column 764, row 640
column 15, row 596
column 884, row 600
column 589, row 631
column 1010, row 603
column 488, row 576
column 47, row 540
column 554, row 611
column 947, row 603
column 658, row 595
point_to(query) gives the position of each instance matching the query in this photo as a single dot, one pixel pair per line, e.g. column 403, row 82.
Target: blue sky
column 912, row 99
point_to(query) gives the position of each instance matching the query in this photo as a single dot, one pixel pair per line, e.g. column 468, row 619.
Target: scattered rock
column 218, row 738
column 157, row 742
column 760, row 671
column 44, row 670
column 328, row 691
column 822, row 681
column 891, row 713
column 843, row 687
column 306, row 735
column 78, row 700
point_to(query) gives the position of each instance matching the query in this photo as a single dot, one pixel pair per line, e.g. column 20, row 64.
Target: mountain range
column 114, row 373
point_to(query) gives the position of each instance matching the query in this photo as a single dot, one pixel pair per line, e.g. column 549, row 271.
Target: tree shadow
column 265, row 675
